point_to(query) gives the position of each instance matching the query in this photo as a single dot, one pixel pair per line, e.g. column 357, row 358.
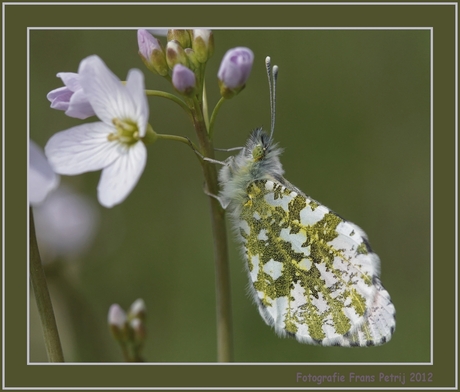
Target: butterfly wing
column 313, row 274
column 379, row 324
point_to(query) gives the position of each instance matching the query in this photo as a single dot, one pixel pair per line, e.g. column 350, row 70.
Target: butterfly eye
column 258, row 153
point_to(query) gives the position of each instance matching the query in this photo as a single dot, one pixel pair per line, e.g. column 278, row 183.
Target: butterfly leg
column 223, row 204
column 202, row 156
column 229, row 149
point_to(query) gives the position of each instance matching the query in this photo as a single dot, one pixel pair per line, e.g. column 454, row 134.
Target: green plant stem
column 42, row 297
column 88, row 343
column 177, row 139
column 213, row 116
column 205, row 106
column 172, row 97
column 222, row 272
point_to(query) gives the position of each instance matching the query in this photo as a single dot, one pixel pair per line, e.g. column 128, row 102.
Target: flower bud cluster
column 185, row 54
column 181, row 59
column 128, row 329
column 116, row 144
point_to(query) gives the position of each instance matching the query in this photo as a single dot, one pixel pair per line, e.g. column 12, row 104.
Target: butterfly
column 313, row 274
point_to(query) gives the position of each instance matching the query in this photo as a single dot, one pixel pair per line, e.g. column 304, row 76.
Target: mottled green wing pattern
column 313, row 274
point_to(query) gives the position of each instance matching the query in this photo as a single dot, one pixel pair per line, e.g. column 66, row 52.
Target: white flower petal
column 119, row 179
column 81, row 149
column 42, row 178
column 135, row 86
column 107, row 95
column 79, row 106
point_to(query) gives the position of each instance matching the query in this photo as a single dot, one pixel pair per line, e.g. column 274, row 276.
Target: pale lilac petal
column 118, row 180
column 71, row 80
column 71, row 98
column 60, row 98
column 135, row 86
column 79, row 106
column 81, row 149
column 58, row 92
column 236, row 66
column 42, row 179
column 107, row 95
column 183, row 79
column 147, row 43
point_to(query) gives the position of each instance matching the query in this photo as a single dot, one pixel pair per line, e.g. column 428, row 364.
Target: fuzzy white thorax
column 244, row 168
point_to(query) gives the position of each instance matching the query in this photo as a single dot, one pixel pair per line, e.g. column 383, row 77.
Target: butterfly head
column 258, row 153
column 259, row 159
column 259, row 147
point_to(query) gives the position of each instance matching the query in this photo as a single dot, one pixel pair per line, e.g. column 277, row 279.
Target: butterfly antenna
column 272, row 75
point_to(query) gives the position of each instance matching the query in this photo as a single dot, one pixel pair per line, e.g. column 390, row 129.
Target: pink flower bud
column 183, row 79
column 117, row 321
column 234, row 70
column 152, row 53
column 117, row 316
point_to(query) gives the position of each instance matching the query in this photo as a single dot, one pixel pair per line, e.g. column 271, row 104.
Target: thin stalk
column 205, row 106
column 42, row 297
column 222, row 272
column 177, row 139
column 213, row 116
column 172, row 97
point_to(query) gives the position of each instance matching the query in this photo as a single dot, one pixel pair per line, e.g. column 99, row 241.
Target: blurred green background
column 353, row 117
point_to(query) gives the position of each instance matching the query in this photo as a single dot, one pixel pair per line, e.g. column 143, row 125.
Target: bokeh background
column 353, row 117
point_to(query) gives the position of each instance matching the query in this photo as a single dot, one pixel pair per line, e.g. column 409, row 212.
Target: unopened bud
column 183, row 80
column 234, row 71
column 203, row 44
column 117, row 321
column 152, row 53
column 181, row 36
column 175, row 54
column 192, row 60
column 138, row 329
column 138, row 309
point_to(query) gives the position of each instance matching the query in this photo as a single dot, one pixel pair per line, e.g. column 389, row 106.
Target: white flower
column 114, row 144
column 42, row 179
